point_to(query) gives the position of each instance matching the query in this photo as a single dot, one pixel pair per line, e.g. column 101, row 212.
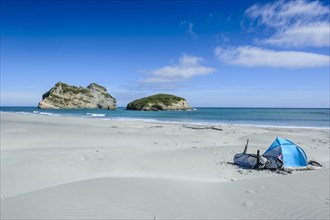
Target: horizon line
column 251, row 107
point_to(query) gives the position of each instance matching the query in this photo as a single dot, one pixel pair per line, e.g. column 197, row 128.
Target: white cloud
column 296, row 23
column 284, row 13
column 188, row 67
column 189, row 29
column 316, row 35
column 259, row 57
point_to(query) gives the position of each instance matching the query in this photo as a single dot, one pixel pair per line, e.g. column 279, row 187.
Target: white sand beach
column 82, row 168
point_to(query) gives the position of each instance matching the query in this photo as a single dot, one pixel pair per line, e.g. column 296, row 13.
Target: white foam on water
column 49, row 114
column 95, row 115
column 24, row 113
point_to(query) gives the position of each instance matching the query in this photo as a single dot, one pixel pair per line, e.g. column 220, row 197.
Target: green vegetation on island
column 66, row 96
column 159, row 102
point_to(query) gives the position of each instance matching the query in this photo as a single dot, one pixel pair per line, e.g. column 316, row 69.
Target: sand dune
column 145, row 197
column 62, row 167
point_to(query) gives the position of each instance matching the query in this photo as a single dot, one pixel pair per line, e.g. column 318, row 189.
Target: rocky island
column 159, row 102
column 64, row 96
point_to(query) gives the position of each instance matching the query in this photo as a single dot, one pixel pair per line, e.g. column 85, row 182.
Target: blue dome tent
column 291, row 154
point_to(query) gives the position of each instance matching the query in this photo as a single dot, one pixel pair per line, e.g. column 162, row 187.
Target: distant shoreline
column 154, row 117
column 227, row 107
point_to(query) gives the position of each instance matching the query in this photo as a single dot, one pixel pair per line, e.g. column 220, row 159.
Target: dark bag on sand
column 253, row 161
column 250, row 160
column 256, row 161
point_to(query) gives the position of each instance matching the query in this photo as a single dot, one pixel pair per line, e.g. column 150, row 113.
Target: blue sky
column 213, row 53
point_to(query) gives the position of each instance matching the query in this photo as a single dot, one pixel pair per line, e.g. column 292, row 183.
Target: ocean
column 279, row 117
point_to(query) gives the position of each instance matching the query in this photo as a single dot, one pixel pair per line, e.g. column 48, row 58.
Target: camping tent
column 291, row 154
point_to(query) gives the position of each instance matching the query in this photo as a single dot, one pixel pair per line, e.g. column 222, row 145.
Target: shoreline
column 197, row 123
column 75, row 167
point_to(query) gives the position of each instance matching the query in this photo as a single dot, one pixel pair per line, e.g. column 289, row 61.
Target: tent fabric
column 291, row 154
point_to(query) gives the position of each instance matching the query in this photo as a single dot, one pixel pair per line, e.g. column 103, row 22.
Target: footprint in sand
column 84, row 158
column 250, row 191
column 248, row 203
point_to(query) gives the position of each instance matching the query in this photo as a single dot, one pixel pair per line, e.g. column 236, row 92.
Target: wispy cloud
column 296, row 23
column 188, row 67
column 292, row 24
column 222, row 37
column 189, row 29
column 259, row 57
column 316, row 35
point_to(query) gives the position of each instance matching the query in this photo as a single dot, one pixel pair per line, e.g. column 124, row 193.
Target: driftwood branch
column 199, row 128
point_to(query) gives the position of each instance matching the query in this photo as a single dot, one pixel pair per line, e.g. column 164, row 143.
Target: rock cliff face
column 159, row 102
column 71, row 97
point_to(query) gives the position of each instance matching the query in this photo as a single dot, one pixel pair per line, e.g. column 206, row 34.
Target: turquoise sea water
column 282, row 117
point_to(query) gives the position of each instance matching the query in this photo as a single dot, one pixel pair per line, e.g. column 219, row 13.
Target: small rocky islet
column 94, row 96
column 159, row 102
column 64, row 96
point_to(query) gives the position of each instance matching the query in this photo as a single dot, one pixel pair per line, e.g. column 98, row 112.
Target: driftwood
column 199, row 128
column 156, row 126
